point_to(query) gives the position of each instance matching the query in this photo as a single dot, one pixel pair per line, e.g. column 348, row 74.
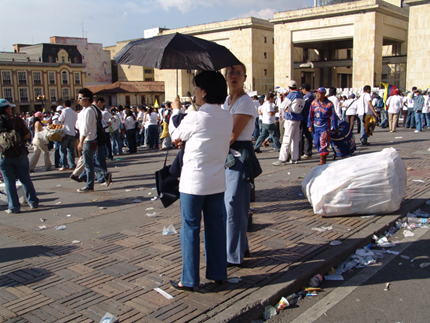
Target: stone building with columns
column 345, row 45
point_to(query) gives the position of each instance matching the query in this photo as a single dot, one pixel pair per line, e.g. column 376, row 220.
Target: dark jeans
column 131, row 136
column 306, row 142
column 57, row 157
column 153, row 136
column 108, row 146
column 410, row 119
column 67, row 153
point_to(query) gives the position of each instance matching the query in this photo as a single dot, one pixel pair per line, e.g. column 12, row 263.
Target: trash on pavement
column 285, row 302
column 314, row 293
column 58, row 203
column 42, row 220
column 154, row 198
column 425, row 264
column 102, row 207
column 334, row 277
column 169, row 230
column 383, row 242
column 42, row 227
column 418, row 214
column 68, row 215
column 128, row 190
column 323, row 229
column 136, row 201
column 149, row 193
column 316, row 280
column 428, row 202
column 269, row 311
column 162, row 292
column 335, row 243
column 393, row 252
column 418, row 181
column 75, row 241
column 412, row 220
column 408, row 233
column 109, row 318
column 60, row 227
column 234, row 280
column 347, row 187
column 152, row 215
column 149, row 208
column 387, row 287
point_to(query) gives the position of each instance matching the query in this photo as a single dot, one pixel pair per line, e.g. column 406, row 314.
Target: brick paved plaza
column 45, row 276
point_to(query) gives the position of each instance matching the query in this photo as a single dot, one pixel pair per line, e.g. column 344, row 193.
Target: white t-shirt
column 116, row 121
column 426, row 104
column 409, row 100
column 207, row 134
column 151, row 119
column 363, row 105
column 106, row 118
column 336, row 106
column 129, row 123
column 405, row 100
column 266, row 108
column 243, row 105
column 68, row 118
column 351, row 107
column 394, row 104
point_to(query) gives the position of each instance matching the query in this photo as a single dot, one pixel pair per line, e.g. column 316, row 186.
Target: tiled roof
column 10, row 56
column 128, row 87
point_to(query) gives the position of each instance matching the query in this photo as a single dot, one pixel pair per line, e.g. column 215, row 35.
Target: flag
column 389, row 90
column 156, row 104
column 44, row 110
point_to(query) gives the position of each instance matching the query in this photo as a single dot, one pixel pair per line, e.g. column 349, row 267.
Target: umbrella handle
column 191, row 100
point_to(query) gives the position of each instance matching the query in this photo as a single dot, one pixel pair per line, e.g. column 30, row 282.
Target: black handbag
column 167, row 185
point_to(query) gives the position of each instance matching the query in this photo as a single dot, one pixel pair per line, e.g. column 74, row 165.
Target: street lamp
column 41, row 98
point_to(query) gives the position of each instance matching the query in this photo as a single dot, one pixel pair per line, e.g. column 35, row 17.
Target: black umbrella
column 176, row 51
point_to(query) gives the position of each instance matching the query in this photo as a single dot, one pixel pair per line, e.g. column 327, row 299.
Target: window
column 51, row 78
column 265, row 72
column 50, row 59
column 7, row 94
column 23, row 95
column 37, row 78
column 148, row 79
column 66, row 94
column 63, row 59
column 22, row 78
column 265, row 39
column 127, row 100
column 6, row 77
column 65, row 77
column 143, row 100
column 53, row 95
column 148, row 71
column 76, row 60
column 265, row 55
column 77, row 78
column 37, row 92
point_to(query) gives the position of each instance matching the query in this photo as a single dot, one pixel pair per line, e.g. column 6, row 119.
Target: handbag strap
column 235, row 99
column 165, row 159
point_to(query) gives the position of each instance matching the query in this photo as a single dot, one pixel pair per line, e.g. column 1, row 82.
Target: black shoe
column 247, row 254
column 84, row 190
column 257, row 150
column 176, row 286
column 229, row 264
column 76, row 178
column 108, row 179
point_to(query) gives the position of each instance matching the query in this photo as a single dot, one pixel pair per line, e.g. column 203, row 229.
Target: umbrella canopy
column 176, row 51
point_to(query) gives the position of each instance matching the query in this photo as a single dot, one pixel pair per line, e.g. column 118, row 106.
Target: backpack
column 380, row 103
column 101, row 138
column 10, row 141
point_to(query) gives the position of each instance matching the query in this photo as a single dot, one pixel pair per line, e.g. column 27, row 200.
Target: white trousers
column 290, row 141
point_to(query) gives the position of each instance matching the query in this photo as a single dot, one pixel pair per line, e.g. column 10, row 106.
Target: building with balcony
column 41, row 76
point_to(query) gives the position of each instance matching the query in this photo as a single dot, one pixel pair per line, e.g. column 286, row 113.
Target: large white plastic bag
column 367, row 184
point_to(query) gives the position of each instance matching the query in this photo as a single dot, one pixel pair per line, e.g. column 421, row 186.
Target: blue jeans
column 100, row 166
column 362, row 129
column 426, row 117
column 67, row 147
column 153, row 136
column 215, row 237
column 268, row 130
column 88, row 152
column 116, row 142
column 57, row 157
column 18, row 167
column 419, row 120
column 237, row 199
column 256, row 133
column 410, row 120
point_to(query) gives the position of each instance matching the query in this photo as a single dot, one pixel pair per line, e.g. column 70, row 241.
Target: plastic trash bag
column 367, row 184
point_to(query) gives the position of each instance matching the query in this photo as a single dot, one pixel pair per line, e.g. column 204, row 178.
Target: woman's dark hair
column 270, row 95
column 34, row 122
column 128, row 113
column 332, row 91
column 214, row 84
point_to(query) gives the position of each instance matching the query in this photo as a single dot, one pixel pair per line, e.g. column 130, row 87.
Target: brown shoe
column 76, row 178
column 323, row 160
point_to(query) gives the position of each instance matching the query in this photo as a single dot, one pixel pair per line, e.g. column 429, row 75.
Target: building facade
column 345, row 45
column 42, row 76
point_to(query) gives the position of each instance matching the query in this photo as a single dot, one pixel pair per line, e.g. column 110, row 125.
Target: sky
column 109, row 21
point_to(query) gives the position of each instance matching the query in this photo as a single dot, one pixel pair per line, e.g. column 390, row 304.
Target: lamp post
column 41, row 98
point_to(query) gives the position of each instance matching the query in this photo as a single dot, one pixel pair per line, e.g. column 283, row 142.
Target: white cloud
column 187, row 5
column 267, row 13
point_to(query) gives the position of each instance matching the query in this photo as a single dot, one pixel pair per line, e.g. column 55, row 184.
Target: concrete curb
column 251, row 307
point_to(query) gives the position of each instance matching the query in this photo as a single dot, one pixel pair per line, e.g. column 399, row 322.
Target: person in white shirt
column 426, row 114
column 336, row 106
column 106, row 117
column 68, row 119
column 394, row 105
column 367, row 114
column 410, row 119
column 350, row 110
column 151, row 119
column 116, row 134
column 268, row 124
column 207, row 134
column 57, row 158
column 130, row 130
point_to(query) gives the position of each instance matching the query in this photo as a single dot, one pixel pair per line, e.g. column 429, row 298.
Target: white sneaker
column 306, row 157
column 417, row 131
column 293, row 161
column 279, row 163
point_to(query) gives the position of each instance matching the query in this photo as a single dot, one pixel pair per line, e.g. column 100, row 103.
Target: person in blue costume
column 322, row 119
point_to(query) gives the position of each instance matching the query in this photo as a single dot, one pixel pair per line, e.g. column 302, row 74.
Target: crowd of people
column 218, row 139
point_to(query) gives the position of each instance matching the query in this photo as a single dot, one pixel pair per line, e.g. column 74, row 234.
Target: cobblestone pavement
column 121, row 256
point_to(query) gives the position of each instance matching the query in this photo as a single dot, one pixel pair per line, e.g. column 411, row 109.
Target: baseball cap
column 39, row 114
column 292, row 84
column 321, row 90
column 6, row 103
column 396, row 91
column 60, row 108
column 352, row 96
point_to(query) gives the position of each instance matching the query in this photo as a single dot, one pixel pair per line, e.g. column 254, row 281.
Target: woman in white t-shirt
column 350, row 111
column 240, row 175
column 151, row 119
column 426, row 114
column 130, row 130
